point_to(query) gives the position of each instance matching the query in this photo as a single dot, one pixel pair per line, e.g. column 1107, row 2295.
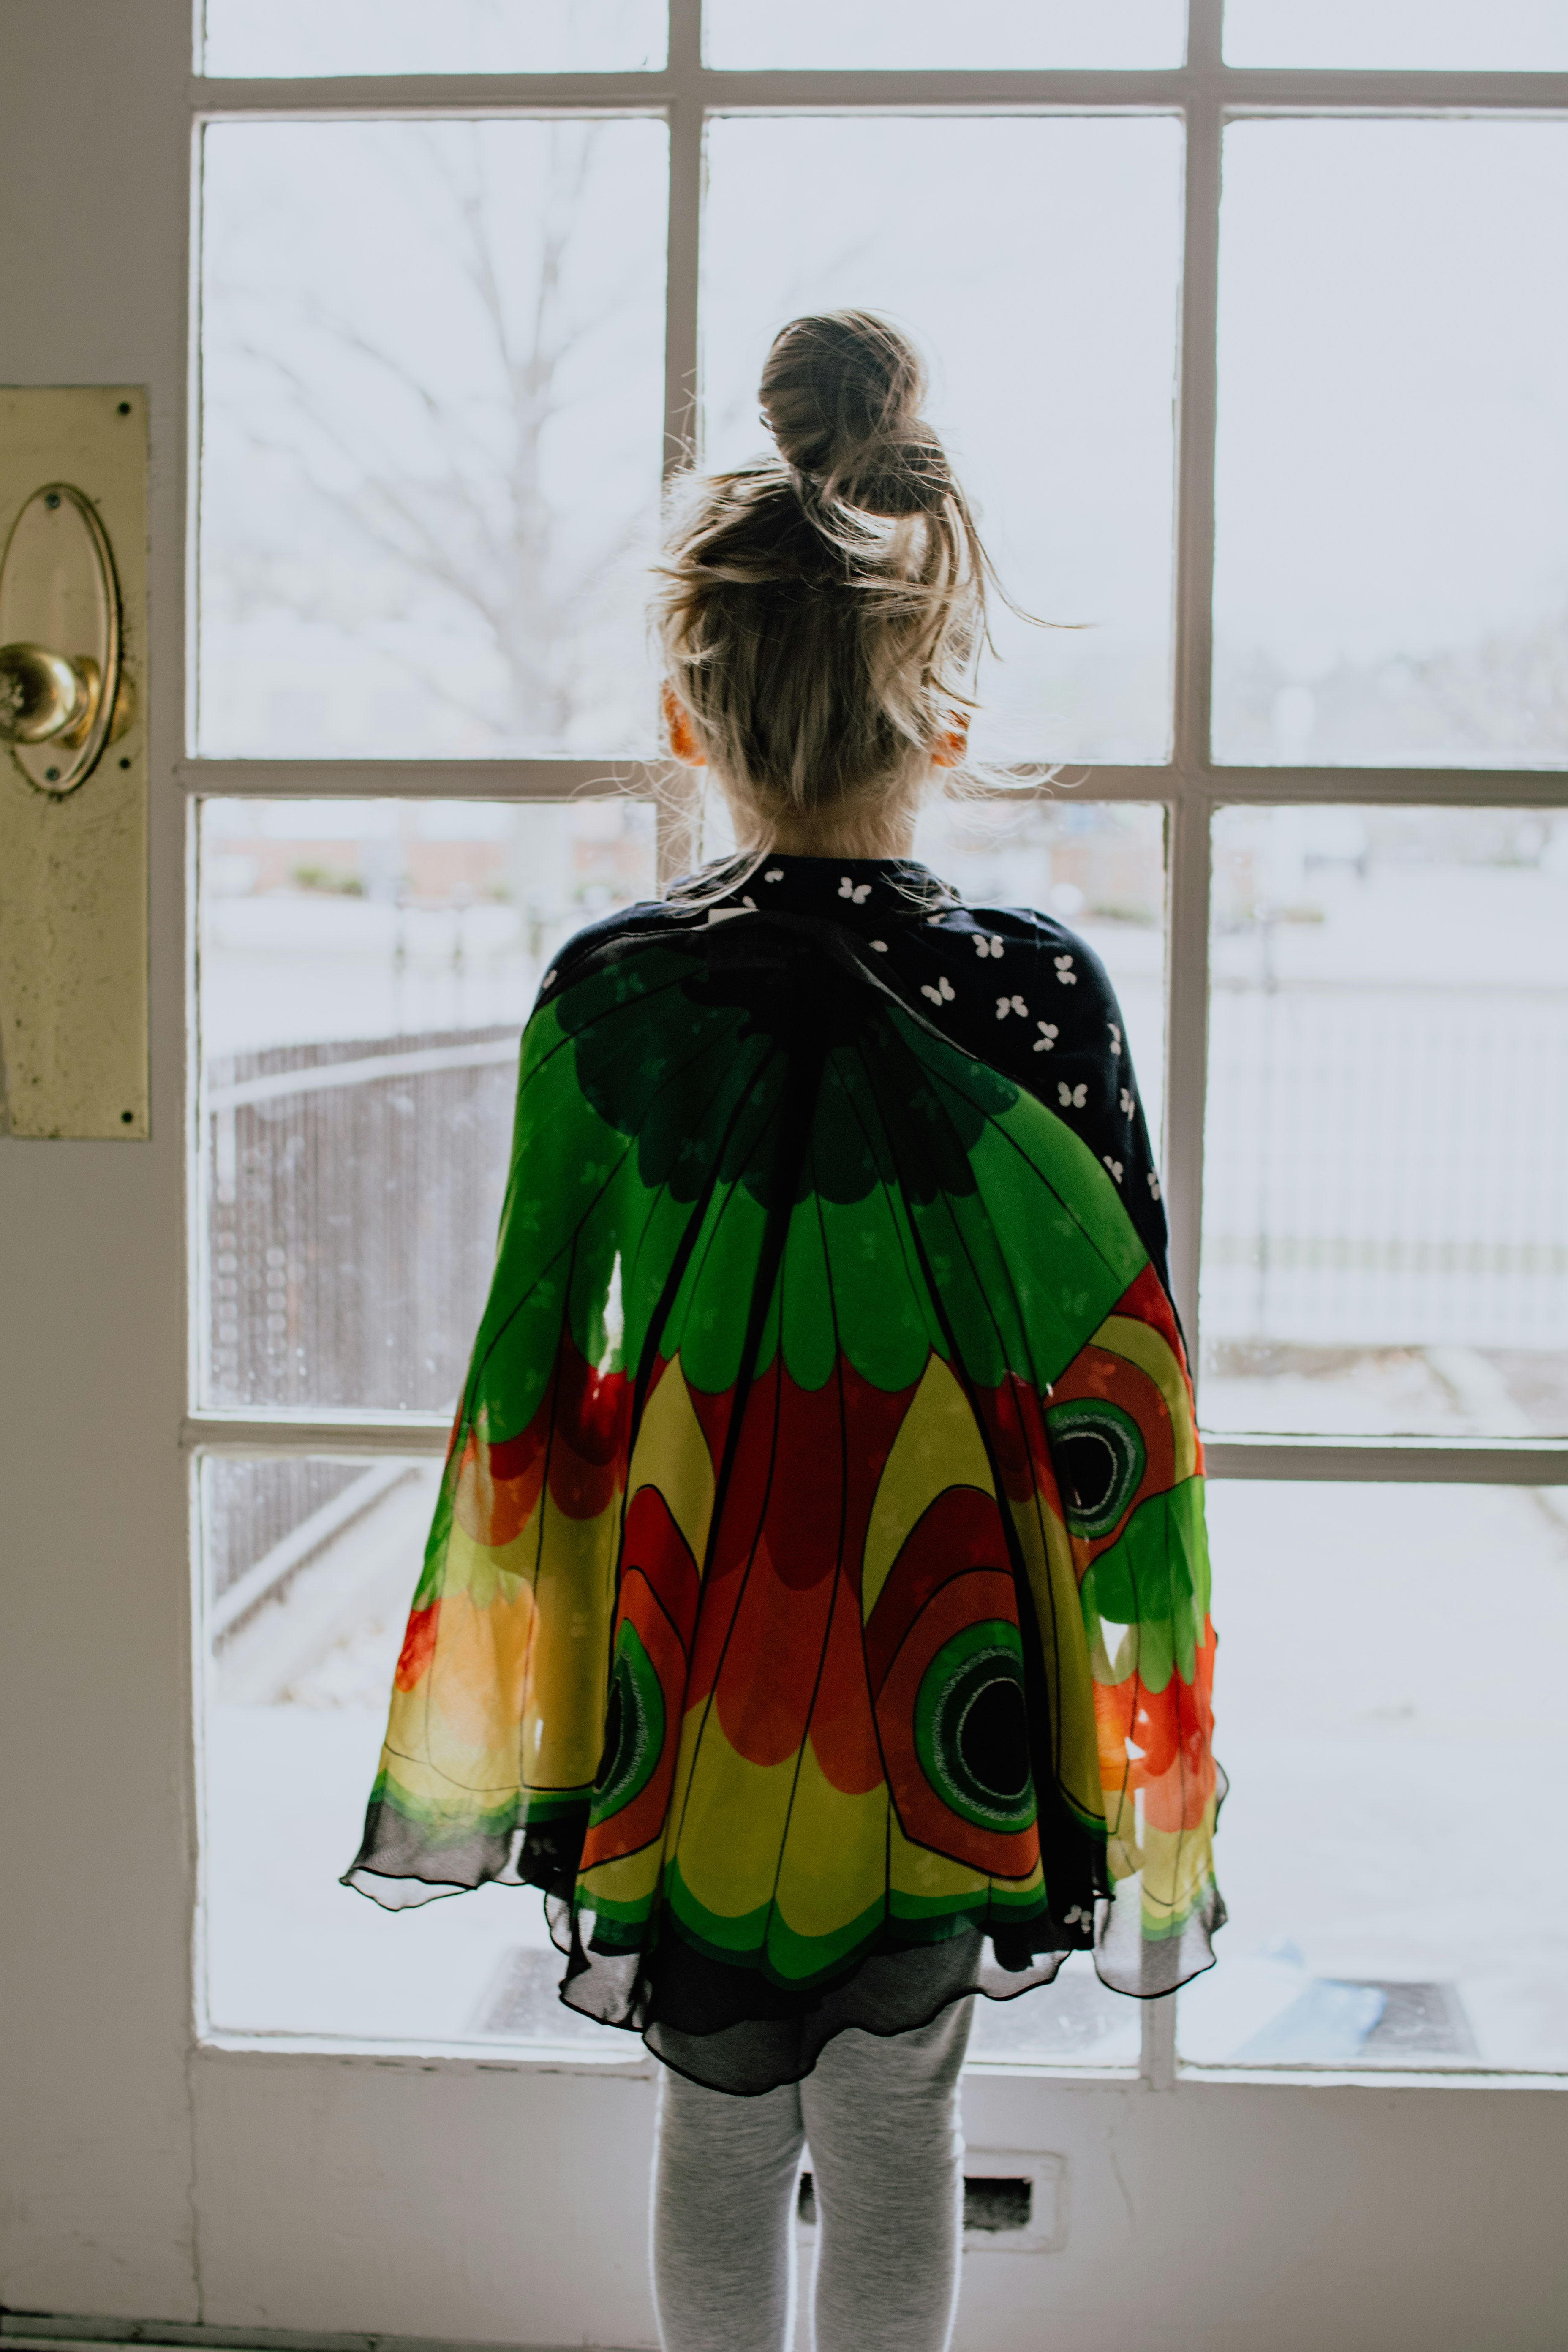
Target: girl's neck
column 881, row 832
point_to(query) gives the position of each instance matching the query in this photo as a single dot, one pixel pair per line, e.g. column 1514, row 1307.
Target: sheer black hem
column 889, row 1993
column 731, row 2027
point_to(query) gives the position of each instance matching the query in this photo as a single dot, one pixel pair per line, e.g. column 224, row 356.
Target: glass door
column 444, row 353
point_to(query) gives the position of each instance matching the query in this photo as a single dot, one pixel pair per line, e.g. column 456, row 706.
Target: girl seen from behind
column 817, row 1606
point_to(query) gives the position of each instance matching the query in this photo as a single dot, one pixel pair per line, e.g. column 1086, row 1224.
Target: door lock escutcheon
column 64, row 695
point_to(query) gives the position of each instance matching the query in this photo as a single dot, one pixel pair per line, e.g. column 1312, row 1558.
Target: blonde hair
column 820, row 611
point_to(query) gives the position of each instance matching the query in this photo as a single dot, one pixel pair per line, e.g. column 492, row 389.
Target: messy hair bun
column 820, row 610
column 842, row 396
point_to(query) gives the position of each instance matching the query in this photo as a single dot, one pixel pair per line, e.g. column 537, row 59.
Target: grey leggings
column 887, row 2161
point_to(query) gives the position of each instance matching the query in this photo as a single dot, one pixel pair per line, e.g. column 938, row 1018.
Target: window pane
column 1431, row 35
column 1389, row 1712
column 1392, row 487
column 913, row 34
column 397, row 36
column 1072, row 2021
column 365, row 969
column 1036, row 261
column 433, row 397
column 1385, row 1220
column 310, row 1565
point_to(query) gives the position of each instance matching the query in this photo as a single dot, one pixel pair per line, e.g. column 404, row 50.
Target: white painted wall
column 145, row 2178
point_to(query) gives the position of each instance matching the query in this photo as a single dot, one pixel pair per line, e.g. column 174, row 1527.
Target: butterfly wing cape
column 817, row 1597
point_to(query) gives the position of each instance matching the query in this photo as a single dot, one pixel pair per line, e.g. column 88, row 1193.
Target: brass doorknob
column 47, row 698
column 57, row 588
column 42, row 694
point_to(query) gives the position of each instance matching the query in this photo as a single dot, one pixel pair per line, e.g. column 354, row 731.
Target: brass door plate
column 73, row 765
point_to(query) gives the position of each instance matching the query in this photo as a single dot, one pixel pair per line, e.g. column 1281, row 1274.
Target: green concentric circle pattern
column 634, row 1728
column 971, row 1728
column 1100, row 1458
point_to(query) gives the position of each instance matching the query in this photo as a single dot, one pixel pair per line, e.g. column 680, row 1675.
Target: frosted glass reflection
column 399, row 36
column 1386, row 1222
column 915, row 33
column 1036, row 263
column 1432, row 36
column 1388, row 1709
column 432, row 375
column 365, row 969
column 1391, row 579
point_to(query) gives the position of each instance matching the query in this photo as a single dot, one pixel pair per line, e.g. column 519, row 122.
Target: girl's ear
column 950, row 750
column 680, row 732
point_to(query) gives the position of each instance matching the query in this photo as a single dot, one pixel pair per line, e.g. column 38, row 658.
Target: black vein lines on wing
column 1023, row 1322
column 1059, row 1199
column 658, row 1835
column 899, row 1219
column 587, row 1210
column 883, row 1160
column 765, row 1279
column 840, row 1581
column 702, row 1221
column 632, row 1002
column 939, row 1078
column 922, row 1269
column 721, row 1497
column 923, row 1283
column 664, row 1306
column 962, row 1373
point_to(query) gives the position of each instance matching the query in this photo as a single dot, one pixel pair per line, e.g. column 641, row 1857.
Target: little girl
column 818, row 1603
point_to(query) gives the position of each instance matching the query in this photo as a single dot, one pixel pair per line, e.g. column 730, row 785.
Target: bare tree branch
column 484, row 531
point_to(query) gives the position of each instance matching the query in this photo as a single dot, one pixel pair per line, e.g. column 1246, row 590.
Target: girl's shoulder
column 989, row 935
column 1001, row 958
column 645, row 918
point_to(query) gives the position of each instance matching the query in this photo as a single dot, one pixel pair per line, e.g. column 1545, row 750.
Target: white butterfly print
column 943, row 994
column 987, row 944
column 857, row 892
column 1114, row 1166
column 1046, row 1043
column 1155, row 1185
column 549, row 979
column 1072, row 1098
column 880, row 946
column 1006, row 1004
column 1115, row 1038
column 1065, row 971
column 1128, row 1105
column 773, row 873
